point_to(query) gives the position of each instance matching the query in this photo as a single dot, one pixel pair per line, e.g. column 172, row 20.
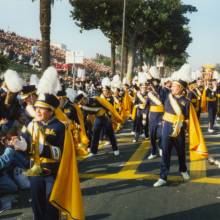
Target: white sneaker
column 142, row 135
column 211, row 160
column 210, row 130
column 185, row 176
column 151, row 157
column 160, row 152
column 134, row 141
column 90, row 155
column 116, row 152
column 160, row 182
column 107, row 143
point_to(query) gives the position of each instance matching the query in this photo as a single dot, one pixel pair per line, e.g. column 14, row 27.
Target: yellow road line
column 136, row 159
column 208, row 180
column 212, row 143
column 198, row 169
column 127, row 176
column 129, row 169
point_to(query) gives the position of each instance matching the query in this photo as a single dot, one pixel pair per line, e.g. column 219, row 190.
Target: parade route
column 119, row 188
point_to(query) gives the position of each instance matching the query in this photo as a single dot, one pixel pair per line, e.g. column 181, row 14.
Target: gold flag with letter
column 66, row 193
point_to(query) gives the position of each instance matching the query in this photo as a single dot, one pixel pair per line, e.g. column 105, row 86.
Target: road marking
column 136, row 159
column 197, row 168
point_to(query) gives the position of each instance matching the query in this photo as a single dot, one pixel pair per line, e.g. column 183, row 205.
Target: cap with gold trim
column 47, row 101
column 27, row 90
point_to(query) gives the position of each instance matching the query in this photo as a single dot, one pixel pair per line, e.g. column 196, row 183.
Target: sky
column 22, row 17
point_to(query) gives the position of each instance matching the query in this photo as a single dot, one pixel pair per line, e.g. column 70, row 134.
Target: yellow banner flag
column 203, row 101
column 66, row 193
column 197, row 146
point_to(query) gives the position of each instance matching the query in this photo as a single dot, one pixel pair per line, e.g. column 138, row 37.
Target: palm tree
column 45, row 21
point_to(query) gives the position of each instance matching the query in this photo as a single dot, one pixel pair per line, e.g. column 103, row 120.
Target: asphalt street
column 121, row 188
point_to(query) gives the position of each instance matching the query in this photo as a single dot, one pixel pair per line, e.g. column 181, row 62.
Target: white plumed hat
column 154, row 72
column 13, row 81
column 49, row 82
column 106, row 82
column 34, row 80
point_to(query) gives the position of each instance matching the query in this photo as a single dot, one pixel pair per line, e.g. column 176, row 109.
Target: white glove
column 20, row 144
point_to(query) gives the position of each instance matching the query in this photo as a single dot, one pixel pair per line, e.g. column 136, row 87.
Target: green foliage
column 22, row 69
column 102, row 59
column 4, row 63
column 158, row 26
column 176, row 61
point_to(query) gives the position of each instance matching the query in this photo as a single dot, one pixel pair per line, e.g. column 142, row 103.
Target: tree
column 4, row 63
column 158, row 26
column 100, row 14
column 45, row 21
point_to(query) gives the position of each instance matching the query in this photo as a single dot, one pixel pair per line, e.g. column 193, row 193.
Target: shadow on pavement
column 211, row 212
column 10, row 215
column 115, row 186
column 98, row 216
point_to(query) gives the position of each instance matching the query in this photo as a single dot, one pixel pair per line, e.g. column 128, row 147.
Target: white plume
column 154, row 72
column 216, row 75
column 116, row 82
column 135, row 79
column 142, row 77
column 49, row 82
column 13, row 81
column 145, row 68
column 71, row 94
column 106, row 82
column 184, row 73
column 34, row 80
column 196, row 74
column 81, row 92
column 125, row 81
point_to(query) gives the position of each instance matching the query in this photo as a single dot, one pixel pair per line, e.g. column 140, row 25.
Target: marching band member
column 175, row 118
column 49, row 141
column 118, row 99
column 211, row 99
column 10, row 110
column 75, row 115
column 102, row 110
column 155, row 102
column 28, row 97
column 140, row 109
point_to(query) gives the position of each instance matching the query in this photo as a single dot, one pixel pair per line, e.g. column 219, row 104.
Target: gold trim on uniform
column 43, row 105
column 157, row 108
column 210, row 99
column 171, row 117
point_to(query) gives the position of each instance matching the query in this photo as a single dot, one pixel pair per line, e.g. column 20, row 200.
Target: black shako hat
column 181, row 83
column 27, row 90
column 47, row 101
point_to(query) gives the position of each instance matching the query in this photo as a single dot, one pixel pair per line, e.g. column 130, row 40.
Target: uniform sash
column 179, row 122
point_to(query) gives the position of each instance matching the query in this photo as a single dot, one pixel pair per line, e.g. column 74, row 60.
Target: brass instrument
column 177, row 127
column 36, row 169
column 9, row 98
